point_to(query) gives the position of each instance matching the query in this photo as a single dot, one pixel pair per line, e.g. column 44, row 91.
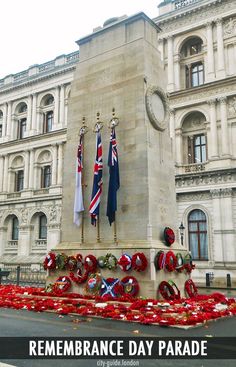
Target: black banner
column 119, row 348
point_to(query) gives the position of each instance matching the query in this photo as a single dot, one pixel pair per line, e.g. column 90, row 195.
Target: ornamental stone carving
column 226, row 192
column 232, row 106
column 52, row 214
column 215, row 194
column 197, row 196
column 24, row 215
column 230, row 28
column 157, row 107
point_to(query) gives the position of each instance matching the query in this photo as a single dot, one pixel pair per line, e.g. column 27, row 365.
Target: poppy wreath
column 158, row 261
column 61, row 261
column 125, row 262
column 101, row 261
column 80, row 262
column 80, row 278
column 188, row 259
column 176, row 289
column 110, row 287
column 170, row 261
column 93, row 284
column 166, row 290
column 90, row 263
column 190, row 288
column 169, row 236
column 71, row 263
column 130, row 286
column 62, row 284
column 50, row 261
column 110, row 261
column 139, row 262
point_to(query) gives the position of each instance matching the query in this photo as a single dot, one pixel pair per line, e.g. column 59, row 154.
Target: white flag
column 78, row 204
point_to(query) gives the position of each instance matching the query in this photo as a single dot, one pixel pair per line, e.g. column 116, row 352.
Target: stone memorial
column 120, row 67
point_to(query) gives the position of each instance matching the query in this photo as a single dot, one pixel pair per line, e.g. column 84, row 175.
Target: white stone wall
column 36, row 150
column 211, row 185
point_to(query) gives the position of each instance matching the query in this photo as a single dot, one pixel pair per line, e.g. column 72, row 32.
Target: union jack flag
column 114, row 180
column 78, row 203
column 97, row 182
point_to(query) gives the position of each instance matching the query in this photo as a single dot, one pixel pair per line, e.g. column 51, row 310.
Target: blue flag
column 114, row 180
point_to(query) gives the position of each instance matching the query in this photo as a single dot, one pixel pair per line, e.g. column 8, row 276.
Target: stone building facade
column 33, row 120
column 198, row 47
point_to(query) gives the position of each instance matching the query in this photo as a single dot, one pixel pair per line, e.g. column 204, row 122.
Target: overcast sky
column 36, row 31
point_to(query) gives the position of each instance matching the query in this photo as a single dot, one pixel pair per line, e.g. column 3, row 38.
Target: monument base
column 148, row 280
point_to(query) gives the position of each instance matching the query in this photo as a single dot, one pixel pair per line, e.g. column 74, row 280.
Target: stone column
column 34, row 115
column 62, row 106
column 4, row 122
column 1, row 173
column 59, row 167
column 210, row 53
column 216, row 246
column 39, row 121
column 54, row 165
column 31, row 170
column 172, row 131
column 228, row 225
column 220, row 49
column 5, row 174
column 177, row 71
column 26, row 170
column 56, row 107
column 213, row 126
column 9, row 121
column 170, row 86
column 224, row 126
column 161, row 48
column 178, row 146
column 29, row 115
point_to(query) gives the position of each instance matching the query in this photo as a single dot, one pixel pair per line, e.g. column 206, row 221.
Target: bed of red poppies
column 182, row 312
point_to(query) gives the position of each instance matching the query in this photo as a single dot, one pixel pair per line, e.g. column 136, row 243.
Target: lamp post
column 181, row 231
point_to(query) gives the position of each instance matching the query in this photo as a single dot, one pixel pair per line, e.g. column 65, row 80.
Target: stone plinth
column 120, row 67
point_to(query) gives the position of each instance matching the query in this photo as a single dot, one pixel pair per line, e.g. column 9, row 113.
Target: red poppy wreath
column 139, row 262
column 169, row 236
column 50, row 261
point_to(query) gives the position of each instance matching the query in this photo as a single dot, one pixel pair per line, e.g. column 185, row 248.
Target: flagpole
column 82, row 132
column 97, row 127
column 114, row 231
column 112, row 125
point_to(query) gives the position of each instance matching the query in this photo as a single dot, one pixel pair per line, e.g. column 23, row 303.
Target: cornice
column 216, row 89
column 227, row 176
column 33, row 80
column 198, row 12
column 31, row 139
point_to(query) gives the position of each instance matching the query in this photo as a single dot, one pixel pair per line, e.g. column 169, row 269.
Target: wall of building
column 39, row 96
column 207, row 109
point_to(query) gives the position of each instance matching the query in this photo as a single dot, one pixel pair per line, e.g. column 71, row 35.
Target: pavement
column 15, row 323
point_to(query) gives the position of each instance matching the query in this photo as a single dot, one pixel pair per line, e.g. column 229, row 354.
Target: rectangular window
column 46, row 177
column 199, row 149
column 0, row 130
column 48, row 122
column 21, row 129
column 42, row 227
column 19, row 184
column 197, row 77
column 15, row 229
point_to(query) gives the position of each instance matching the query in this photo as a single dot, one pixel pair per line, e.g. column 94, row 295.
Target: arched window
column 15, row 229
column 21, row 115
column 47, row 108
column 192, row 63
column 194, row 138
column 197, row 232
column 42, row 227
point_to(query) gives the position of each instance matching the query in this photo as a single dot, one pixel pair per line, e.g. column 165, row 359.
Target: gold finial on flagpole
column 84, row 129
column 98, row 125
column 114, row 121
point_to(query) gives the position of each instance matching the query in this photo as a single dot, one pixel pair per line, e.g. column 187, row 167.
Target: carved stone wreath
column 157, row 107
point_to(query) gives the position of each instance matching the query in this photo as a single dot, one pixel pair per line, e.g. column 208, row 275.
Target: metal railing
column 25, row 274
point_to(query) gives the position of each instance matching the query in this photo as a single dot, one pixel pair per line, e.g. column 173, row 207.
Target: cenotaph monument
column 120, row 68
